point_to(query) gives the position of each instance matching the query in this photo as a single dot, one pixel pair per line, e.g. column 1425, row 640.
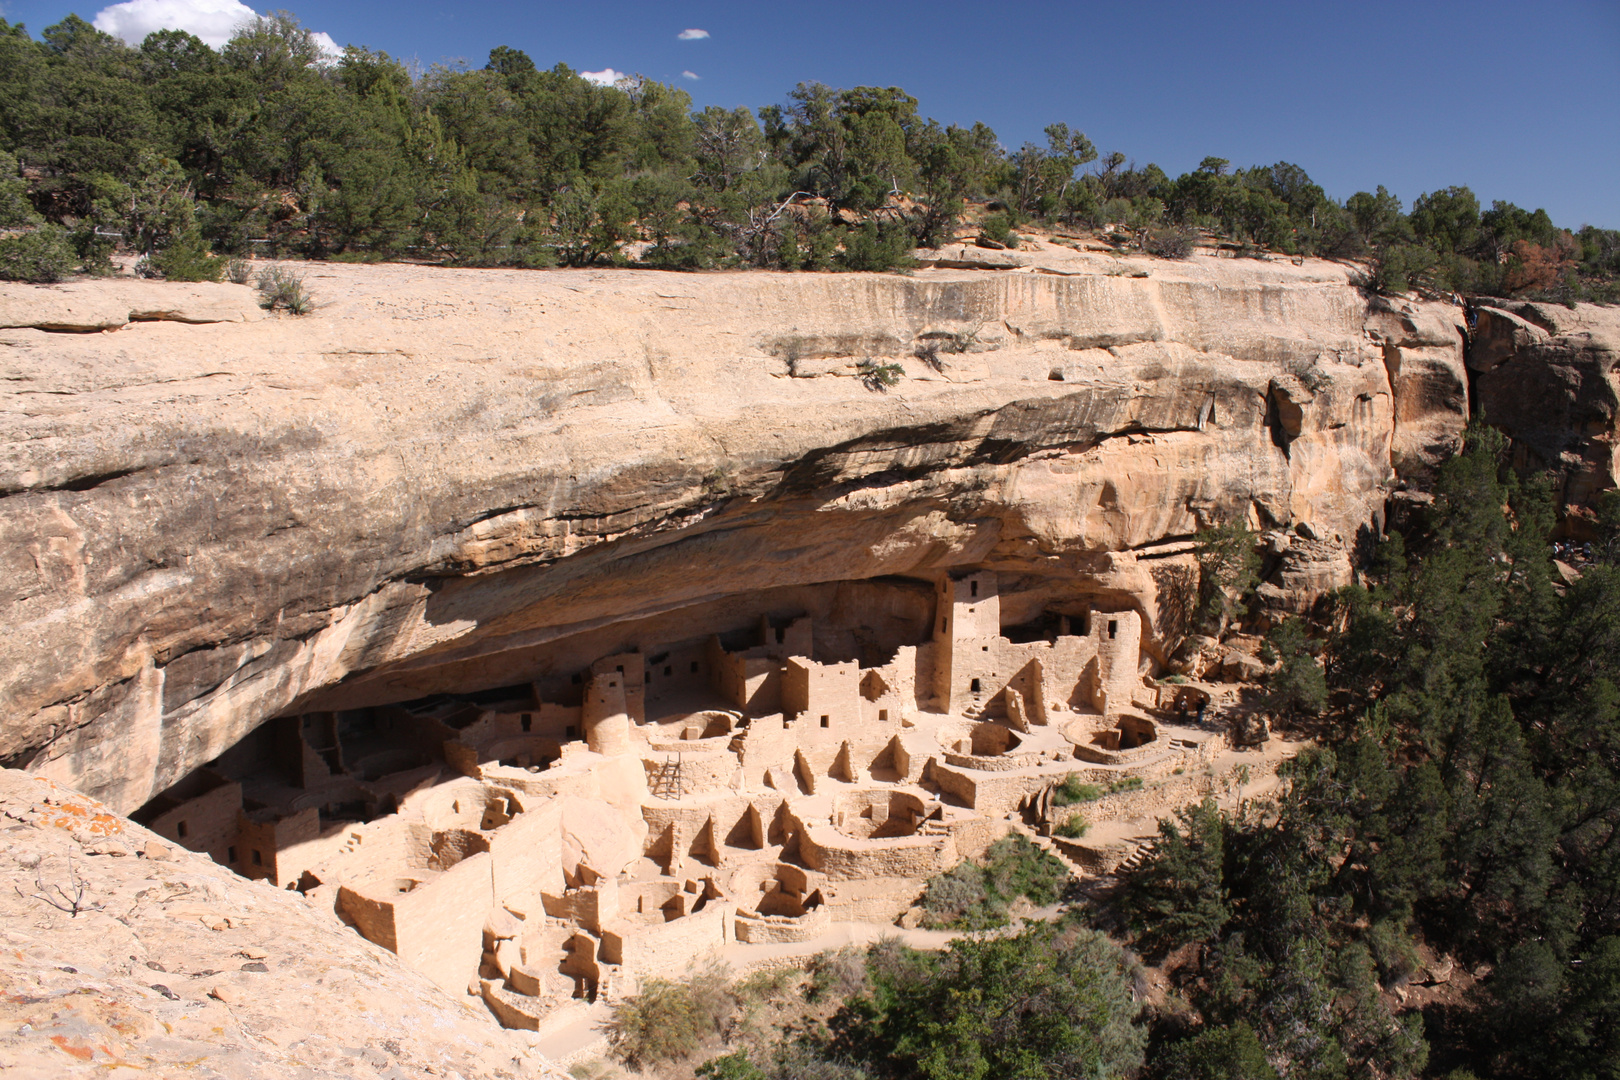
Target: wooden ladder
column 667, row 784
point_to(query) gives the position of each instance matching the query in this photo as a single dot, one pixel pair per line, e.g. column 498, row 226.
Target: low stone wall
column 991, row 794
column 1101, row 756
column 658, row 743
column 754, row 928
column 877, row 900
column 713, row 770
column 1153, row 798
column 825, row 849
column 1001, row 763
column 652, row 948
column 974, row 834
column 1098, row 858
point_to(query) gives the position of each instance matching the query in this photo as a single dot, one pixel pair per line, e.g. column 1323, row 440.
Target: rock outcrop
column 122, row 951
column 1545, row 375
column 441, row 479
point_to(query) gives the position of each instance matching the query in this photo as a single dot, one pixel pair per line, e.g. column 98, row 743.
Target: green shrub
column 238, row 271
column 957, row 899
column 997, row 227
column 1179, row 893
column 282, row 289
column 732, row 1066
column 187, row 259
column 1394, row 953
column 40, row 255
column 876, row 247
column 1073, row 790
column 1216, row 1053
column 836, row 973
column 765, row 984
column 1170, row 243
column 1073, row 827
column 1299, row 684
column 879, row 377
column 658, row 1025
column 1046, row 1003
column 94, row 249
column 668, row 1021
column 975, row 896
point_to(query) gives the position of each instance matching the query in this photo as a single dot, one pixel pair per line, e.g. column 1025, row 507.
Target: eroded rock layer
column 1545, row 375
column 448, row 480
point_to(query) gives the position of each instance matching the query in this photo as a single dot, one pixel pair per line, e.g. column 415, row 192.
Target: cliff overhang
column 454, row 480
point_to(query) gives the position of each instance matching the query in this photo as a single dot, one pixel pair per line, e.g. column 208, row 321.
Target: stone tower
column 967, row 626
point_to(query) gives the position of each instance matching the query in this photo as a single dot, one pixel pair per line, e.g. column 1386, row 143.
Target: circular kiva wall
column 708, row 724
column 1131, row 739
column 877, row 814
column 470, row 806
column 523, row 752
column 823, row 847
column 990, row 747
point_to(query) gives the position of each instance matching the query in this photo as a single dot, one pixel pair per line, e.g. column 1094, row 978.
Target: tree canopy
column 286, row 151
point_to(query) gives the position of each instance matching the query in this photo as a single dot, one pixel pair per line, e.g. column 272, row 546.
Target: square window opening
column 826, row 721
column 258, row 859
column 181, row 829
column 528, row 721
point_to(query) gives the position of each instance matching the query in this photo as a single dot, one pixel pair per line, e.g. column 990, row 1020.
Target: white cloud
column 214, row 21
column 691, row 75
column 329, row 48
column 692, row 35
column 605, row 77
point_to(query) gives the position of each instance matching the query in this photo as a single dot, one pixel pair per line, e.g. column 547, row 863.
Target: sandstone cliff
column 441, row 478
column 1545, row 375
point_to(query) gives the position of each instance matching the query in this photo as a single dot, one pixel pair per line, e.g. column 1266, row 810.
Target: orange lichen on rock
column 88, row 815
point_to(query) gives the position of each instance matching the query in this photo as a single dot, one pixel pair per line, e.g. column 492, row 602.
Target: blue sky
column 1518, row 101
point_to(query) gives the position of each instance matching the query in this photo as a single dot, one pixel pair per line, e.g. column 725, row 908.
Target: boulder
column 91, row 306
column 1250, row 729
column 1241, row 667
column 596, row 835
column 61, row 308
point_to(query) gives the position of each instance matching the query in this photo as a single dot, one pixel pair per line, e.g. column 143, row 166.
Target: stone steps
column 1048, row 845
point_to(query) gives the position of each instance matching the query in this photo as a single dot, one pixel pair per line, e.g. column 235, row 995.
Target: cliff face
column 441, row 478
column 1545, row 375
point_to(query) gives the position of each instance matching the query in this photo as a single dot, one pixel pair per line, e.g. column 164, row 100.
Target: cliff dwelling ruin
column 567, row 838
column 637, row 642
